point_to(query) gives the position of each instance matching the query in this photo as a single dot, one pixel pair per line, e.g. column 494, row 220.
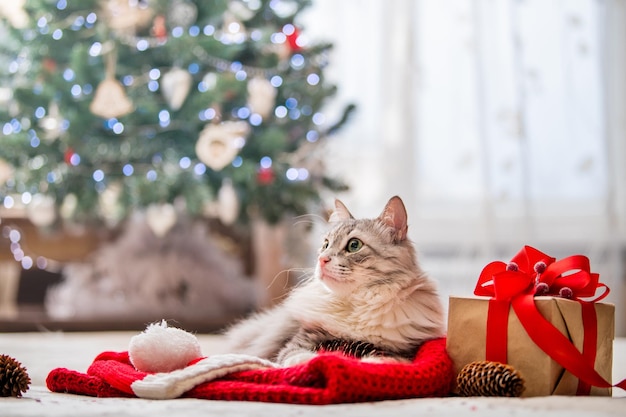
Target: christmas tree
column 114, row 105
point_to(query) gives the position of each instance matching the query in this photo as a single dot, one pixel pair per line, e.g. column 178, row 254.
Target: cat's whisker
column 309, row 219
column 273, row 281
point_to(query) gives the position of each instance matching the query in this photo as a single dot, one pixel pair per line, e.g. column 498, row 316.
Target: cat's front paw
column 297, row 358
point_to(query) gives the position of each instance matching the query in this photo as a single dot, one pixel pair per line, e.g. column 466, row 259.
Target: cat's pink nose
column 324, row 260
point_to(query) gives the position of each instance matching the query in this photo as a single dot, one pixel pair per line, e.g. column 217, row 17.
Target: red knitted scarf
column 328, row 378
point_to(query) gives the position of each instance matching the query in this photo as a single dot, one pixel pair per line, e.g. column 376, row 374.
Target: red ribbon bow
column 515, row 284
column 533, row 272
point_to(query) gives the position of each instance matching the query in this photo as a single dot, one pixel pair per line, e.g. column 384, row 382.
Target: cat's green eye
column 354, row 245
column 325, row 244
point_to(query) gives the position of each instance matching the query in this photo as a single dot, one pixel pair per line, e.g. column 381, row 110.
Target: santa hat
column 327, row 378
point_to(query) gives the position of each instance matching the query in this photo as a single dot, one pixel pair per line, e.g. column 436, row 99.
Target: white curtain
column 500, row 122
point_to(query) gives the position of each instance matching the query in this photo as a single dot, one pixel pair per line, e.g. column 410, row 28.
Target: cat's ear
column 341, row 213
column 394, row 215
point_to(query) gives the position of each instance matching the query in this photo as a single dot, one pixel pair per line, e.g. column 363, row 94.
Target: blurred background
column 228, row 129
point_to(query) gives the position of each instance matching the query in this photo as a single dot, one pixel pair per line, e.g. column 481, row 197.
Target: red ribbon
column 515, row 284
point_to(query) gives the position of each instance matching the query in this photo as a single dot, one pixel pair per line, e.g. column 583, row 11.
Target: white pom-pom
column 163, row 349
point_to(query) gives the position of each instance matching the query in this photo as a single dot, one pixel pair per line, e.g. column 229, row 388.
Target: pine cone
column 490, row 379
column 14, row 379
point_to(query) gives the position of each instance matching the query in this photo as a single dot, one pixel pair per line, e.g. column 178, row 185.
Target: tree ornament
column 175, row 85
column 292, row 40
column 6, row 171
column 68, row 206
column 68, row 156
column 228, row 203
column 159, row 28
column 109, row 204
column 240, row 10
column 14, row 12
column 182, row 13
column 284, row 8
column 14, row 379
column 6, row 95
column 261, row 96
column 52, row 123
column 49, row 64
column 490, row 379
column 265, row 176
column 125, row 16
column 233, row 30
column 219, row 144
column 110, row 99
column 161, row 218
column 41, row 211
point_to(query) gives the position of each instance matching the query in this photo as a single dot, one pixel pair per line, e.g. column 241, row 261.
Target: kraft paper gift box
column 529, row 314
column 467, row 320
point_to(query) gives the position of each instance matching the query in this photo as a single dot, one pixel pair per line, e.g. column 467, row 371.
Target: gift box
column 467, row 319
column 544, row 318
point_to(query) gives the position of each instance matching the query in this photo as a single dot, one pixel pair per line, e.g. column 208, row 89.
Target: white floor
column 42, row 352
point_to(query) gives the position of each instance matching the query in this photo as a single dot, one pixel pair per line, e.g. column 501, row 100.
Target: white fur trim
column 173, row 384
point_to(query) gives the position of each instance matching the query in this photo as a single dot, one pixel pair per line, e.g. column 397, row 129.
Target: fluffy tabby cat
column 367, row 290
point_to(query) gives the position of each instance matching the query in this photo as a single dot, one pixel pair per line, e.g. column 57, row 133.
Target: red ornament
column 159, row 28
column 292, row 40
column 265, row 176
column 67, row 157
column 49, row 64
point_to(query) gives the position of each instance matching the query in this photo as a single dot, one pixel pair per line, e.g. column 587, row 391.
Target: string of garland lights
column 125, row 104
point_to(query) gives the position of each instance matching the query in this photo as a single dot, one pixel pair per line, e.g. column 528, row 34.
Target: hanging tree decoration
column 240, row 10
column 6, row 171
column 52, row 123
column 125, row 16
column 159, row 29
column 227, row 203
column 261, row 96
column 110, row 205
column 175, row 85
column 110, row 99
column 182, row 13
column 219, row 144
column 161, row 218
column 233, row 30
column 67, row 211
column 14, row 12
column 41, row 211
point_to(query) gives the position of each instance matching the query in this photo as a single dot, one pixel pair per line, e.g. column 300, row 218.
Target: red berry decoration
column 540, row 267
column 542, row 288
column 512, row 266
column 566, row 292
